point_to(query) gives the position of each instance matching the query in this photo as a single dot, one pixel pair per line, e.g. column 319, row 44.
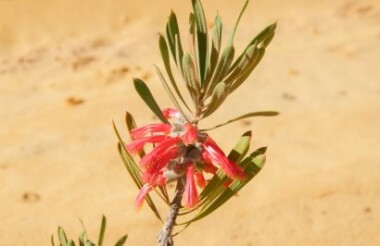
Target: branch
column 165, row 237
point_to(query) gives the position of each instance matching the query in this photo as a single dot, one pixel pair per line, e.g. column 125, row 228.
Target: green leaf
column 130, row 121
column 144, row 92
column 221, row 69
column 215, row 48
column 89, row 243
column 121, row 241
column 267, row 41
column 170, row 93
column 201, row 51
column 248, row 58
column 252, row 114
column 172, row 31
column 52, row 240
column 179, row 53
column 244, row 75
column 192, row 24
column 190, row 78
column 71, row 243
column 131, row 124
column 129, row 161
column 216, row 185
column 62, row 236
column 241, row 147
column 230, row 41
column 165, row 58
column 251, row 165
column 138, row 182
column 102, row 231
column 82, row 239
column 237, row 153
column 218, row 96
column 134, row 171
column 268, row 32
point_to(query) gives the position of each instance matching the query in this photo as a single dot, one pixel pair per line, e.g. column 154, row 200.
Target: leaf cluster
column 209, row 72
column 83, row 239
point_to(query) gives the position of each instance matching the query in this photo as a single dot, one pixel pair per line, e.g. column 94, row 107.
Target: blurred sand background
column 65, row 72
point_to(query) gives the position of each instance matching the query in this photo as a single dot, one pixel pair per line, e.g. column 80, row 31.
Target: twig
column 165, row 237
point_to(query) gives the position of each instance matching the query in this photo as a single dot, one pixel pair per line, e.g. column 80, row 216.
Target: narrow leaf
column 144, row 92
column 216, row 185
column 252, row 165
column 215, row 49
column 217, row 33
column 265, row 33
column 241, row 147
column 138, row 182
column 252, row 114
column 165, row 58
column 190, row 78
column 130, row 121
column 103, row 226
column 218, row 96
column 134, row 171
column 89, row 243
column 237, row 153
column 230, row 41
column 267, row 40
column 82, row 239
column 52, row 240
column 121, row 241
column 221, row 69
column 192, row 24
column 201, row 51
column 62, row 237
column 248, row 58
column 128, row 157
column 131, row 124
column 179, row 53
column 244, row 75
column 172, row 31
column 170, row 93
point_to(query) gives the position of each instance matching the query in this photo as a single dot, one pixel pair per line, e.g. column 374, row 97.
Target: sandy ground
column 65, row 73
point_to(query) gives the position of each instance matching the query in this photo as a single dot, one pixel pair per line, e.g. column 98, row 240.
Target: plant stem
column 165, row 238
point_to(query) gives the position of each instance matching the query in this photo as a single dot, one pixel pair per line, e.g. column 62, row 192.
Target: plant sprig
column 209, row 72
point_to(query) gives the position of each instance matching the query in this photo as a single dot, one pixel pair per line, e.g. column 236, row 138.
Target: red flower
column 180, row 151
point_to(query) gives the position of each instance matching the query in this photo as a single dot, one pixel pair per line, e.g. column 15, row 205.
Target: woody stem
column 165, row 237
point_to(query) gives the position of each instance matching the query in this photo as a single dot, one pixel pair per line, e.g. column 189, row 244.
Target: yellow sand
column 65, row 72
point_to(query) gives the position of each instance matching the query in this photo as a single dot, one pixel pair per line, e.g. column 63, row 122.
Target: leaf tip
column 248, row 134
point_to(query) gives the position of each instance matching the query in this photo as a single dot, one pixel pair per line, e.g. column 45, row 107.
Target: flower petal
column 190, row 195
column 142, row 194
column 152, row 128
column 154, row 177
column 162, row 154
column 200, row 179
column 190, row 135
column 208, row 167
column 171, row 113
column 216, row 155
column 138, row 144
